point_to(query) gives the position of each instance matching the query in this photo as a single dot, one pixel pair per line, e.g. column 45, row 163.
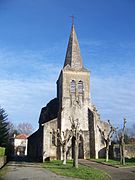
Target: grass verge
column 129, row 162
column 83, row 172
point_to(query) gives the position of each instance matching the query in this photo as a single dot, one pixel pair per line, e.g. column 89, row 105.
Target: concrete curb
column 115, row 166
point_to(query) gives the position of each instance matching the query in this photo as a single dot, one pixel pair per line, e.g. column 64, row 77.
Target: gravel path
column 30, row 171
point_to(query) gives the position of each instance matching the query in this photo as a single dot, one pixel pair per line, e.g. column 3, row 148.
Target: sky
column 33, row 41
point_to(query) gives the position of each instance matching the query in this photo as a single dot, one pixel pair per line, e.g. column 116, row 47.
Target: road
column 30, row 171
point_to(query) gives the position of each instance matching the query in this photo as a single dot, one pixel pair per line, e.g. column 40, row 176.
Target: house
column 20, row 145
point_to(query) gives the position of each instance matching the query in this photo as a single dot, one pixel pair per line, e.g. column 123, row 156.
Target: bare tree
column 63, row 138
column 76, row 135
column 107, row 137
column 25, row 128
column 121, row 139
column 12, row 129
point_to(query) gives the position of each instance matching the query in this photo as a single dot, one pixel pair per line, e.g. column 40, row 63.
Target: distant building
column 73, row 101
column 20, row 145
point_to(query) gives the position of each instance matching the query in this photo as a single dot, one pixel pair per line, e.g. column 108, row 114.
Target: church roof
column 49, row 112
column 73, row 56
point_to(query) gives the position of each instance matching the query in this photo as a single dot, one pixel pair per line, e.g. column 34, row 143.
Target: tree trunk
column 107, row 152
column 64, row 154
column 121, row 161
column 123, row 154
column 75, row 160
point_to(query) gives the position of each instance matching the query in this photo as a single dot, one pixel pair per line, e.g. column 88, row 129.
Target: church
column 72, row 101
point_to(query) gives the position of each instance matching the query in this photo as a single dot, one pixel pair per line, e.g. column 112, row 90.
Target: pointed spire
column 73, row 56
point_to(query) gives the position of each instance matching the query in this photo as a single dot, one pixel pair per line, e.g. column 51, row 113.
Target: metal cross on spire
column 72, row 19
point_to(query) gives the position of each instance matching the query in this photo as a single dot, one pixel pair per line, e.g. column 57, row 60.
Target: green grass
column 83, row 172
column 2, row 151
column 129, row 162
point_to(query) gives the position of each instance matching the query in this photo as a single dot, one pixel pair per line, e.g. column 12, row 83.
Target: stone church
column 72, row 101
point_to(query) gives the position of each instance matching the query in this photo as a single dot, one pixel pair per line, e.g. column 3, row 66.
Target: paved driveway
column 34, row 171
column 126, row 173
column 30, row 171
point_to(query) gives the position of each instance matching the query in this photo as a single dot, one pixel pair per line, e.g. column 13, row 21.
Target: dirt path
column 127, row 173
column 30, row 171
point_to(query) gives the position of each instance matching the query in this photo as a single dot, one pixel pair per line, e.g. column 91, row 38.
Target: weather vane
column 72, row 19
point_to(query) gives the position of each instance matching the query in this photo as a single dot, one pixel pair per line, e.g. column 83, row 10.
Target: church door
column 81, row 149
column 73, row 147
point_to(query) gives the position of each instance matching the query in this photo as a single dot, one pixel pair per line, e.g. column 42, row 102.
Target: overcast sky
column 33, row 41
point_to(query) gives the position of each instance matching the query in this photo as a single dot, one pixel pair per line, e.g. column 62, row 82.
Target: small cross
column 72, row 19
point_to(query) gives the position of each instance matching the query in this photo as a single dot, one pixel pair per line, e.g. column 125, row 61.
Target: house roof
column 21, row 136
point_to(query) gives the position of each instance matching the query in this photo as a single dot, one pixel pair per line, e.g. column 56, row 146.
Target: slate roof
column 49, row 112
column 73, row 55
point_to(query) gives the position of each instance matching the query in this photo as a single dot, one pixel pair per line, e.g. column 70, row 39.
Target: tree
column 107, row 137
column 25, row 128
column 12, row 130
column 76, row 135
column 4, row 131
column 63, row 138
column 121, row 139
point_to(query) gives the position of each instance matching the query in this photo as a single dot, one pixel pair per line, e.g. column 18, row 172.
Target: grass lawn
column 129, row 162
column 83, row 172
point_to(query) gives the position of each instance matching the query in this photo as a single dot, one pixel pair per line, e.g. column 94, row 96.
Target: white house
column 20, row 145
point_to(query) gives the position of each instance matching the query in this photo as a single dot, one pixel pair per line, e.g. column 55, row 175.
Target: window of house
column 72, row 86
column 80, row 87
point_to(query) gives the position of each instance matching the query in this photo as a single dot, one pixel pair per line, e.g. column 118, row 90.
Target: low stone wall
column 129, row 151
column 3, row 160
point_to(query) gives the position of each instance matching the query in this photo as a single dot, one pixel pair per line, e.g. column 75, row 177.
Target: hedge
column 2, row 151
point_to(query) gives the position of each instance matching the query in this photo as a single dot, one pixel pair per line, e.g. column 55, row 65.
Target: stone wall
column 129, row 151
column 97, row 144
column 35, row 146
column 3, row 160
column 49, row 149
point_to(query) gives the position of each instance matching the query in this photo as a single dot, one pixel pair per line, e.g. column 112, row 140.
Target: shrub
column 2, row 151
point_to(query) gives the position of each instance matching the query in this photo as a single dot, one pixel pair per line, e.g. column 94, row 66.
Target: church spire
column 73, row 56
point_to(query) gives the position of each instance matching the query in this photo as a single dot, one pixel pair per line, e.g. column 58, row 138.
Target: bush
column 2, row 151
column 4, row 129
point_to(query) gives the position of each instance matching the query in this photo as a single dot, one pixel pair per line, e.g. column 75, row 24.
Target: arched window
column 72, row 86
column 80, row 87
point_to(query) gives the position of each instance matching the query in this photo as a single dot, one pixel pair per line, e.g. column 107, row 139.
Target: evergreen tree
column 3, row 128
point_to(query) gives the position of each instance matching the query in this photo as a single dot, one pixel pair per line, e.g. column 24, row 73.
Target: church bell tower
column 73, row 89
